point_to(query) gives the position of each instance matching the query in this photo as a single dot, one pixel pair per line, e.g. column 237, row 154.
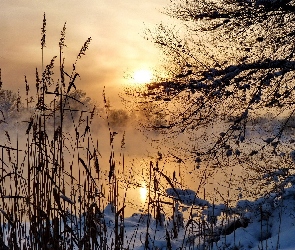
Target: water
column 145, row 163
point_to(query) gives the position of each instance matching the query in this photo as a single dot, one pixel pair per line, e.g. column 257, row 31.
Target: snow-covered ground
column 266, row 223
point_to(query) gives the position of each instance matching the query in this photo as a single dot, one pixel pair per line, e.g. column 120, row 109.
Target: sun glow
column 143, row 192
column 142, row 76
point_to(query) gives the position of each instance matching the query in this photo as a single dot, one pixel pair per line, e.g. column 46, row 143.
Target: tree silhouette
column 231, row 84
column 10, row 104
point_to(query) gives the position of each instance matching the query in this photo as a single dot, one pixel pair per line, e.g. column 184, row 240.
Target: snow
column 266, row 223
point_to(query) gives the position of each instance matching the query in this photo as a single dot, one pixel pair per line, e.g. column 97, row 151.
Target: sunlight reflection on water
column 143, row 192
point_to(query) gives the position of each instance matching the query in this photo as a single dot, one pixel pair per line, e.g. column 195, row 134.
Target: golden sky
column 116, row 28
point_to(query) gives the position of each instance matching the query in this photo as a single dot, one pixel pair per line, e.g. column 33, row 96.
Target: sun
column 142, row 76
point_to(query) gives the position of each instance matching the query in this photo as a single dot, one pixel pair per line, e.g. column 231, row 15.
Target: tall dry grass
column 51, row 197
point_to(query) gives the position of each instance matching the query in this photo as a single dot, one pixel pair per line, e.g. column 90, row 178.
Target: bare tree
column 10, row 105
column 231, row 85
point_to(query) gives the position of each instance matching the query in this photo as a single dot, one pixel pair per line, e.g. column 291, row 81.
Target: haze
column 117, row 48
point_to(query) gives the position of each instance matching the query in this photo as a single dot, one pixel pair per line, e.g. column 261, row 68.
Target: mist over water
column 119, row 136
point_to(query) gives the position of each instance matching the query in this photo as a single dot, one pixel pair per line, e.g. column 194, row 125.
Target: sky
column 117, row 49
